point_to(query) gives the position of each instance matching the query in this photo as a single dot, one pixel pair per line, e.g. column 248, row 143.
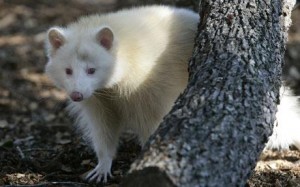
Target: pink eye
column 90, row 71
column 69, row 71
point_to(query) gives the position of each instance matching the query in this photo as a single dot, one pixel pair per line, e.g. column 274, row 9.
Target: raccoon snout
column 76, row 96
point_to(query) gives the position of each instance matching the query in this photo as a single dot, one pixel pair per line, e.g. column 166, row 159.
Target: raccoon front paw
column 100, row 172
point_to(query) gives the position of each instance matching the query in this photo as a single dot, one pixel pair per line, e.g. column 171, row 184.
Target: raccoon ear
column 56, row 37
column 105, row 37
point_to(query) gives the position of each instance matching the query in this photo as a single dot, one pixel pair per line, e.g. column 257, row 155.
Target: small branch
column 20, row 153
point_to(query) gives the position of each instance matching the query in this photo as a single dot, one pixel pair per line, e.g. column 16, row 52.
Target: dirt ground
column 38, row 143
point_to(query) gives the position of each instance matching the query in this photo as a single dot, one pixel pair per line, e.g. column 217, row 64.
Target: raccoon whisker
column 106, row 94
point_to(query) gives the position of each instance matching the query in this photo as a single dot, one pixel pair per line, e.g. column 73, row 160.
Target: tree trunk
column 218, row 127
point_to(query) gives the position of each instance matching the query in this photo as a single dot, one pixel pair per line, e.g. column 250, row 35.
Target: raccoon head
column 81, row 61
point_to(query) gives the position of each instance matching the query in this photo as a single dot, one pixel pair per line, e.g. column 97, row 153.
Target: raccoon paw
column 100, row 172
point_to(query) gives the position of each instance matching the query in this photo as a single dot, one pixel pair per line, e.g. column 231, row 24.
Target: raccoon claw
column 100, row 173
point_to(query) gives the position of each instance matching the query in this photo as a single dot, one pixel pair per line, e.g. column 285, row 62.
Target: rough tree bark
column 217, row 129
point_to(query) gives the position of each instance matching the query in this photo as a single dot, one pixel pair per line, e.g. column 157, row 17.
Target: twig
column 20, row 153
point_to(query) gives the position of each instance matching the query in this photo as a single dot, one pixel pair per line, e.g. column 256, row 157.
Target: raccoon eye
column 69, row 71
column 90, row 71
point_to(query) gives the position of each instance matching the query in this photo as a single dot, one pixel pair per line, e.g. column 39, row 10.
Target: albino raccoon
column 123, row 71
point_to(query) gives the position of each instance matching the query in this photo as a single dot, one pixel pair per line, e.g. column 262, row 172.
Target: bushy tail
column 286, row 130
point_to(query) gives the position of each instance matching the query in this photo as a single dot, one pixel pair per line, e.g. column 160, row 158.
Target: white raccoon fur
column 124, row 70
column 286, row 130
column 140, row 59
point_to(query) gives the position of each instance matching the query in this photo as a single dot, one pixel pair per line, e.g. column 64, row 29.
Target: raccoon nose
column 76, row 96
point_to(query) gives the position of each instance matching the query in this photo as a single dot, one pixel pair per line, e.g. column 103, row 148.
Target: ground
column 38, row 143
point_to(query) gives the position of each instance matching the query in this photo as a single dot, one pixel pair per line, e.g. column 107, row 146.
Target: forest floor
column 38, row 143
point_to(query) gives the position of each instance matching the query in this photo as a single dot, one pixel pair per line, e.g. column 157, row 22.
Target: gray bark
column 218, row 127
